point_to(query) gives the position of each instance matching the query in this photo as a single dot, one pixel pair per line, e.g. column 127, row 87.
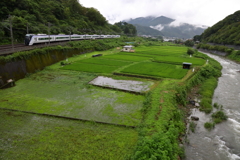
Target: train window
column 62, row 37
column 44, row 38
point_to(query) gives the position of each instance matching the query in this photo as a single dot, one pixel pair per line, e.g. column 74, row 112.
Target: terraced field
column 107, row 116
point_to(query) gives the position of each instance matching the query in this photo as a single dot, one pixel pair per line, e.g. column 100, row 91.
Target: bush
column 238, row 52
column 189, row 43
column 209, row 125
column 229, row 50
column 192, row 126
column 190, row 51
column 219, row 116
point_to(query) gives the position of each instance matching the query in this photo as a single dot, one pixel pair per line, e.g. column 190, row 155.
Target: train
column 31, row 39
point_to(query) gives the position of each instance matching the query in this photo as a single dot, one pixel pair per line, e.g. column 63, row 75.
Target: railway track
column 8, row 50
column 2, row 47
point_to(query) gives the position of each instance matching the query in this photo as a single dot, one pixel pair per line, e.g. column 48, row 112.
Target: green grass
column 104, row 61
column 26, row 137
column 66, row 93
column 156, row 70
column 94, row 68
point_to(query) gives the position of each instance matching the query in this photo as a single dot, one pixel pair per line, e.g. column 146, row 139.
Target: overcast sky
column 201, row 12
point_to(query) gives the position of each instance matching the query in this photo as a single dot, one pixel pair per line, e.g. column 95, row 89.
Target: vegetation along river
column 222, row 142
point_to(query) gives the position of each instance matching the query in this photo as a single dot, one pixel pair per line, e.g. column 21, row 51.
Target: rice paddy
column 27, row 136
column 156, row 70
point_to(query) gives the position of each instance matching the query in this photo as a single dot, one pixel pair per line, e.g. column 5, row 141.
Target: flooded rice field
column 223, row 142
column 126, row 85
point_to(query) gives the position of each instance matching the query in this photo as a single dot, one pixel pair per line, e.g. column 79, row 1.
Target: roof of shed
column 187, row 63
column 128, row 46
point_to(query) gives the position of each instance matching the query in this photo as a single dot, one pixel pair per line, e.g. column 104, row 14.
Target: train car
column 77, row 37
column 31, row 39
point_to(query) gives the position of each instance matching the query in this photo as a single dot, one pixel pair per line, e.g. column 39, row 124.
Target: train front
column 28, row 38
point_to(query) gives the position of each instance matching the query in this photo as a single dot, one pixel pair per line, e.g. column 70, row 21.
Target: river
column 222, row 142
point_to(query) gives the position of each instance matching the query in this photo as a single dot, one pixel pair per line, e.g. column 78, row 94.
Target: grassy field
column 26, row 137
column 156, row 70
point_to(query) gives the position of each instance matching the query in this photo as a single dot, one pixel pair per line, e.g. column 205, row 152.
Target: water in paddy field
column 223, row 142
column 127, row 85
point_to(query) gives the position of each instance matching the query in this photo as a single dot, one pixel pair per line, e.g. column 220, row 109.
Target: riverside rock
column 194, row 118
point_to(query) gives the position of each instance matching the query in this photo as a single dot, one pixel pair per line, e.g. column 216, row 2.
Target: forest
column 53, row 17
column 226, row 31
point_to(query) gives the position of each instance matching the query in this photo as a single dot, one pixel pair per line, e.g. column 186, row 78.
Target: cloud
column 158, row 27
column 203, row 12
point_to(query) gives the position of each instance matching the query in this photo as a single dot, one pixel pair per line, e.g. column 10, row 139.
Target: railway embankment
column 19, row 64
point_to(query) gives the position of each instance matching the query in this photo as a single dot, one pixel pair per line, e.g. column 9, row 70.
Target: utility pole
column 27, row 28
column 48, row 33
column 11, row 32
column 8, row 24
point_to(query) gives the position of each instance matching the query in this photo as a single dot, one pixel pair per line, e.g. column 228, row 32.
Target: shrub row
column 163, row 120
column 215, row 47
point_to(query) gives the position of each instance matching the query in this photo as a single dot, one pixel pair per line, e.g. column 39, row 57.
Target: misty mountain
column 168, row 26
column 144, row 30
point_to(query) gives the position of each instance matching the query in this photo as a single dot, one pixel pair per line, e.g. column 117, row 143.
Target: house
column 128, row 48
column 186, row 65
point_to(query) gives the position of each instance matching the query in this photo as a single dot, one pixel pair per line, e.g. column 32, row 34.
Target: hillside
column 143, row 30
column 167, row 27
column 226, row 31
column 50, row 16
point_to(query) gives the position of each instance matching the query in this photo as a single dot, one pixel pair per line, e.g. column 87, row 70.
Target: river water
column 223, row 142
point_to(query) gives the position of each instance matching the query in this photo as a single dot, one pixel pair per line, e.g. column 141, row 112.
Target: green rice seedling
column 94, row 68
column 67, row 93
column 180, row 60
column 104, row 61
column 29, row 136
column 127, row 57
column 156, row 70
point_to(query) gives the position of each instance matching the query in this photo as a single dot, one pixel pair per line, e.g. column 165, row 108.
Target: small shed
column 128, row 48
column 186, row 65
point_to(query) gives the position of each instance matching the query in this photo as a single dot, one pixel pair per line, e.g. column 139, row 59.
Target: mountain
column 144, row 30
column 226, row 31
column 49, row 16
column 168, row 26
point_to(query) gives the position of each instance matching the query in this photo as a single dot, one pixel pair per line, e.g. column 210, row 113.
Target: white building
column 128, row 48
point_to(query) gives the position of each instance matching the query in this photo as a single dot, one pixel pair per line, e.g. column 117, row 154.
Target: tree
column 190, row 51
column 189, row 43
